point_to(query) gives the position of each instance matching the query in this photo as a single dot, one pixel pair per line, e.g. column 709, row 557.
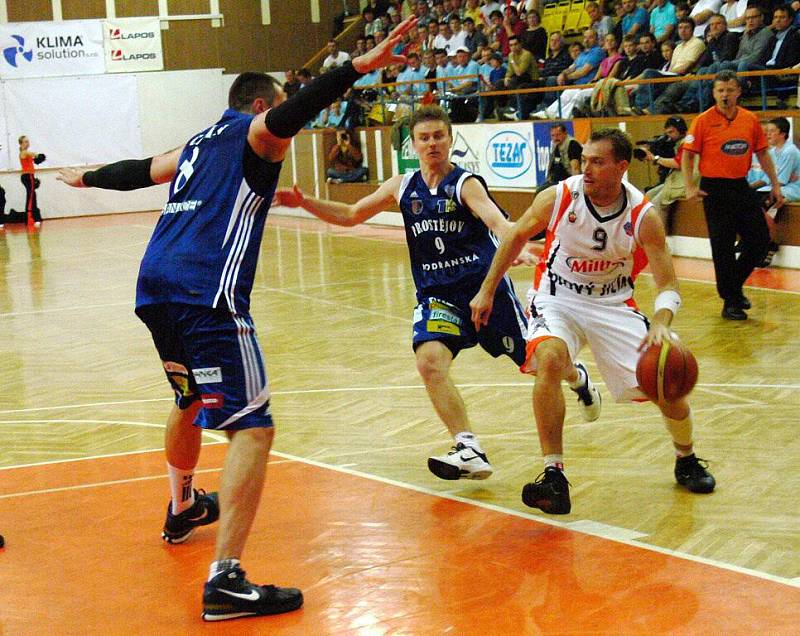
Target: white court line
column 70, row 308
column 362, row 389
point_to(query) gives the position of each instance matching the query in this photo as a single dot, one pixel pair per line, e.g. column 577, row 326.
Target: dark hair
column 621, row 145
column 678, row 123
column 682, row 5
column 687, row 20
column 781, row 123
column 513, row 37
column 304, row 72
column 250, row 86
column 649, row 35
column 497, row 13
column 726, row 76
column 468, row 19
column 412, row 54
column 560, row 126
column 430, row 112
column 787, row 9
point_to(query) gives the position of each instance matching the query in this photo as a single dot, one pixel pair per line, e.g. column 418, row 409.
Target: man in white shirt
column 458, row 37
column 701, row 13
column 443, row 40
column 733, row 10
column 335, row 56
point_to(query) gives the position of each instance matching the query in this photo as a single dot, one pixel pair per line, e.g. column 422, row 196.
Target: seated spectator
column 582, row 70
column 291, row 85
column 429, row 66
column 458, row 36
column 721, row 45
column 783, row 50
column 422, row 11
column 557, row 58
column 370, row 23
column 464, row 103
column 523, row 72
column 332, row 116
column 701, row 13
column 346, row 160
column 632, row 63
column 651, row 50
column 473, row 12
column 488, row 9
column 335, row 57
column 684, row 59
column 412, row 72
column 599, row 23
column 636, row 19
column 493, row 80
column 786, row 158
column 733, row 10
column 475, row 39
column 442, row 40
column 682, row 10
column 361, row 47
column 493, row 30
column 443, row 69
column 534, row 38
column 663, row 20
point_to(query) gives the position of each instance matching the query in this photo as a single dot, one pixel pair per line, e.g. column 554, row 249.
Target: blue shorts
column 446, row 317
column 214, row 356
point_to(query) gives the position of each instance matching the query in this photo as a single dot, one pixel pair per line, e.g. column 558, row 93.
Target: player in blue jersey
column 452, row 229
column 193, row 294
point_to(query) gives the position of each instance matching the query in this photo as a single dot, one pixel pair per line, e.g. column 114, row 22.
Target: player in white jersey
column 601, row 231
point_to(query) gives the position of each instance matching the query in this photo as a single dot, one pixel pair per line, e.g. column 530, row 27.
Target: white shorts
column 613, row 333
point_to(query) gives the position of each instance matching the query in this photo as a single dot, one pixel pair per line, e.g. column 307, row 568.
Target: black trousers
column 30, row 196
column 732, row 209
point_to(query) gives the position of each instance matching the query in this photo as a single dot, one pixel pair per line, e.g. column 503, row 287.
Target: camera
column 662, row 146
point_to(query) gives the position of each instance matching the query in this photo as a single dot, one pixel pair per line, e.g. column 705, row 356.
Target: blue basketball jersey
column 205, row 246
column 447, row 244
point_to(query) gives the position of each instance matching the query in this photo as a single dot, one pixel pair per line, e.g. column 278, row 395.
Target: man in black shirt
column 291, row 85
column 558, row 57
column 565, row 156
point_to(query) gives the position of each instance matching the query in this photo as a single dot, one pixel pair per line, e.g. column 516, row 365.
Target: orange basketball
column 666, row 372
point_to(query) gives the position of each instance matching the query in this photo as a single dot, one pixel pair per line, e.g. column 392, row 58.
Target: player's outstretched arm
column 652, row 238
column 129, row 174
column 271, row 132
column 533, row 221
column 341, row 213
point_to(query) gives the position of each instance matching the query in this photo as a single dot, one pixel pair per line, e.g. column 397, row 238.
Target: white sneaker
column 37, row 224
column 462, row 462
column 588, row 397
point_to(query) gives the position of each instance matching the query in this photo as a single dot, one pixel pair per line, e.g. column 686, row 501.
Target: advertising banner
column 5, row 158
column 47, row 49
column 501, row 154
column 407, row 160
column 132, row 45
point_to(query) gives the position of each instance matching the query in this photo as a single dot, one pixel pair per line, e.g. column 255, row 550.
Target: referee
column 726, row 136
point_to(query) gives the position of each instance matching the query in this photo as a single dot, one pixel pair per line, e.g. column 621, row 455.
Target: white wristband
column 668, row 299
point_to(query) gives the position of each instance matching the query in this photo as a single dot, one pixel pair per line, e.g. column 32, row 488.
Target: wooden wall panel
column 136, row 8
column 29, row 10
column 83, row 9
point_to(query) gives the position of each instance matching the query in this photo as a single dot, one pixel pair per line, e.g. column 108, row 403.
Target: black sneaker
column 230, row 595
column 767, row 260
column 741, row 301
column 690, row 472
column 730, row 311
column 549, row 493
column 178, row 528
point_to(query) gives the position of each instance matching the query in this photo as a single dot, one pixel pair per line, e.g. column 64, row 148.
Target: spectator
column 636, row 19
column 783, row 50
column 444, row 39
column 493, row 31
column 664, row 195
column 475, row 40
column 414, row 42
column 332, row 116
column 361, row 47
column 371, row 24
column 458, row 37
column 651, row 50
column 493, row 72
column 346, row 160
column 27, row 159
column 726, row 136
column 412, row 72
column 489, row 7
column 512, row 27
column 599, row 23
column 292, row 84
column 733, row 10
column 335, row 57
column 523, row 72
column 464, row 105
column 443, row 69
column 304, row 77
column 473, row 12
column 565, row 156
column 583, row 69
column 632, row 63
column 786, row 158
column 721, row 45
column 684, row 59
column 429, row 66
column 534, row 38
column 558, row 57
column 663, row 20
column 701, row 13
column 422, row 12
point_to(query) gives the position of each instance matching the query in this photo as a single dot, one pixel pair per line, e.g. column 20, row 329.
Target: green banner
column 407, row 160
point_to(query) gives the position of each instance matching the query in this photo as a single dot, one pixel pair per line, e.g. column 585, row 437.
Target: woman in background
column 27, row 159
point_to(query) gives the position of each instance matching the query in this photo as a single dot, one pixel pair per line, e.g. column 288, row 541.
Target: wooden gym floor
column 350, row 513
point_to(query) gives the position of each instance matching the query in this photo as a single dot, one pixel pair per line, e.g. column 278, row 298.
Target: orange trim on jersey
column 529, row 349
column 27, row 164
column 632, row 303
column 550, row 235
column 639, row 255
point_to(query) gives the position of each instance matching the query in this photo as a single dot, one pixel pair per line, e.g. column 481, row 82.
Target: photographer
column 345, row 157
column 665, row 152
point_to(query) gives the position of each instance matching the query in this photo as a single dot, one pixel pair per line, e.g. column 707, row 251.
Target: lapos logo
column 509, row 154
column 118, row 56
column 115, row 34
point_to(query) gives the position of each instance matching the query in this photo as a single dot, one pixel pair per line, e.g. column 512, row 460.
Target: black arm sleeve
column 130, row 174
column 286, row 120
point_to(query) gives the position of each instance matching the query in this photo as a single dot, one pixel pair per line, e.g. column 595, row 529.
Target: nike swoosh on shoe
column 201, row 517
column 252, row 595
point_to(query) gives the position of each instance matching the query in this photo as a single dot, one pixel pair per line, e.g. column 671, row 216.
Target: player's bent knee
column 552, row 358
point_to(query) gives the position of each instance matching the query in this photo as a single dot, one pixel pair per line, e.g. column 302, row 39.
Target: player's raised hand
column 481, row 306
column 381, row 54
column 72, row 177
column 289, row 197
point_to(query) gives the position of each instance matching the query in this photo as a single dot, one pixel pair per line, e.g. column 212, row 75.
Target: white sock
column 554, row 461
column 469, row 439
column 681, row 433
column 180, row 484
column 582, row 378
column 221, row 566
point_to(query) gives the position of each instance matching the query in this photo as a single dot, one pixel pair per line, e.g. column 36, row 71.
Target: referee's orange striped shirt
column 725, row 146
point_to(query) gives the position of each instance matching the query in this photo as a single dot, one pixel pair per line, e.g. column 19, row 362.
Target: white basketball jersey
column 588, row 255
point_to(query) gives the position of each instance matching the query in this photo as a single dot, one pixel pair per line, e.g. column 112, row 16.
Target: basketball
column 666, row 372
